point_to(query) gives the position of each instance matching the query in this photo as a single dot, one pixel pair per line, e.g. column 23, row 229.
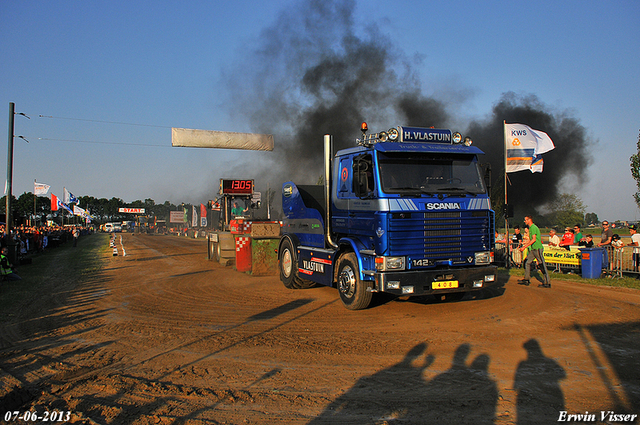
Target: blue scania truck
column 404, row 212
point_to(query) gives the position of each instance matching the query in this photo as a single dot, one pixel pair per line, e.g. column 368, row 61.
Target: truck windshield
column 403, row 173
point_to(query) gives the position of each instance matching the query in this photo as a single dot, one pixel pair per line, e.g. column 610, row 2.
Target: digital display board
column 236, row 187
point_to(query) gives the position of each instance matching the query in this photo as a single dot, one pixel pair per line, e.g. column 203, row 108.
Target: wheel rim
column 347, row 282
column 286, row 262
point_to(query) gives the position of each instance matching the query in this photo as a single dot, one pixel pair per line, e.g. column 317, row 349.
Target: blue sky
column 165, row 64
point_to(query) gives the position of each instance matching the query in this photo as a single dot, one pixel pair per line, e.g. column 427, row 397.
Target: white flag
column 40, row 188
column 68, row 198
column 78, row 211
column 525, row 147
column 194, row 217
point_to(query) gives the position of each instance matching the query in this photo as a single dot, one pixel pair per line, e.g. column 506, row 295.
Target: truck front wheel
column 354, row 292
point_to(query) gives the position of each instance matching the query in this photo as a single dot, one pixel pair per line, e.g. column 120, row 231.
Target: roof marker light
column 393, row 134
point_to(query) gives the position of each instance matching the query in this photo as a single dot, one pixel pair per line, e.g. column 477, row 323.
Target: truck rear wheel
column 354, row 292
column 288, row 265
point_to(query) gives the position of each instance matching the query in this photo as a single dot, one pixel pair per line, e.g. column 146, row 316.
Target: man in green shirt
column 236, row 211
column 577, row 234
column 535, row 242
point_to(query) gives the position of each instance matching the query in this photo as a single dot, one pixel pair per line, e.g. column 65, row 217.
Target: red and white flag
column 203, row 215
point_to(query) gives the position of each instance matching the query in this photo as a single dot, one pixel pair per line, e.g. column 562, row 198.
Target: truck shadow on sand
column 482, row 294
column 463, row 394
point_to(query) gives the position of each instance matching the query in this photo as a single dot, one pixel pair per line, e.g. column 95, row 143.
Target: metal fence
column 616, row 263
column 516, row 258
column 620, row 261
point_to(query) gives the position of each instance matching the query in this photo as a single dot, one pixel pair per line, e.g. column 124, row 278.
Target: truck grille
column 440, row 235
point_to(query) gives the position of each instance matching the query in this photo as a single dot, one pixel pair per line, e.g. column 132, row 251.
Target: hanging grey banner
column 185, row 137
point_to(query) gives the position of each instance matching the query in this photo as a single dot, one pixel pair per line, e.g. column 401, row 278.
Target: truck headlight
column 483, row 257
column 393, row 284
column 389, row 263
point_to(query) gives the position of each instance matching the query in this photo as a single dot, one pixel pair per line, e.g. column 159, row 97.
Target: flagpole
column 506, row 208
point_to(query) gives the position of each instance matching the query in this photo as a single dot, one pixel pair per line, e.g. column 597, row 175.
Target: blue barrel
column 592, row 261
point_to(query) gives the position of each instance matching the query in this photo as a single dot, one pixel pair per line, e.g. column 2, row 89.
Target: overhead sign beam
column 189, row 138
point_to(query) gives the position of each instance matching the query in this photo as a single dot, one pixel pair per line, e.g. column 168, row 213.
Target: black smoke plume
column 314, row 72
column 565, row 167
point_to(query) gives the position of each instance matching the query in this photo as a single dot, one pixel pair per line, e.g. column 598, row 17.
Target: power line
column 104, row 122
column 103, row 143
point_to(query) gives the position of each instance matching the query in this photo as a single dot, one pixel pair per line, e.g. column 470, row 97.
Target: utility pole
column 7, row 227
column 13, row 254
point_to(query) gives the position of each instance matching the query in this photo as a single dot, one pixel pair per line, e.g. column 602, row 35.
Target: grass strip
column 52, row 273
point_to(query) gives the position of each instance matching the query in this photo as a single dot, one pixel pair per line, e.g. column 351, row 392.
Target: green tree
column 111, row 209
column 24, row 206
column 591, row 218
column 161, row 211
column 92, row 205
column 635, row 171
column 14, row 206
column 567, row 210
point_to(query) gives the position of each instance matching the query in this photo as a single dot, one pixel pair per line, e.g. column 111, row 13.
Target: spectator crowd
column 610, row 241
column 33, row 239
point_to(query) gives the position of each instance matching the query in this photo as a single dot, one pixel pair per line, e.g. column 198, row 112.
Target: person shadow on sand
column 537, row 382
column 462, row 394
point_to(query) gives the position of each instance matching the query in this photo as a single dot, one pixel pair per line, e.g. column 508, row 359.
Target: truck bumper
column 425, row 282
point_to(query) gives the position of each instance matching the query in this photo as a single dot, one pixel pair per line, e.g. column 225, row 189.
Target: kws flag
column 525, row 147
column 40, row 188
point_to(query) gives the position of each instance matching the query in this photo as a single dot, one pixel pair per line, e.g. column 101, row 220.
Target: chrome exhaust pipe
column 328, row 154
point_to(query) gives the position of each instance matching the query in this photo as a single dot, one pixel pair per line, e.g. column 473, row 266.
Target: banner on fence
column 562, row 256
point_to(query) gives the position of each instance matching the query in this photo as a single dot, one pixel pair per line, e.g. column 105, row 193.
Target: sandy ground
column 161, row 335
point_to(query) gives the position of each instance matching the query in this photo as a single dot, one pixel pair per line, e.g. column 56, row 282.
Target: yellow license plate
column 445, row 284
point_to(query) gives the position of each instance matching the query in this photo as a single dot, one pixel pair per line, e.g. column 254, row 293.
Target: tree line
column 566, row 211
column 102, row 209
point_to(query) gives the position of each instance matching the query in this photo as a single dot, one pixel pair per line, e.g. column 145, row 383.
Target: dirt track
column 162, row 335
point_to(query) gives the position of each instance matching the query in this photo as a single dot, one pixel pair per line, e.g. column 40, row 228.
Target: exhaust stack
column 328, row 154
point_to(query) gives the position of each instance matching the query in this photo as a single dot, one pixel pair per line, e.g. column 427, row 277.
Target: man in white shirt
column 554, row 240
column 635, row 243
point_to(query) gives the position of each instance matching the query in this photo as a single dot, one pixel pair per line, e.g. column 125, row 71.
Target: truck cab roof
column 414, row 147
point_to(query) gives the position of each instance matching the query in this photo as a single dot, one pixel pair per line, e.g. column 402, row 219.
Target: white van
column 108, row 227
